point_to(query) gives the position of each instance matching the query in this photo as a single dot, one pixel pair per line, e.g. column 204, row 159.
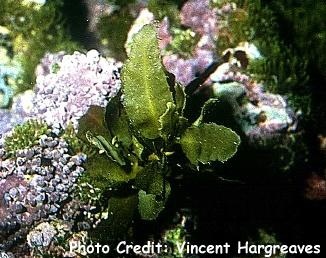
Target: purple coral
column 34, row 184
column 183, row 69
column 201, row 18
column 76, row 82
column 186, row 69
column 66, row 86
column 198, row 15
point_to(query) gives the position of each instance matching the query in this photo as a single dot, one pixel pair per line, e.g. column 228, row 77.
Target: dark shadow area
column 76, row 17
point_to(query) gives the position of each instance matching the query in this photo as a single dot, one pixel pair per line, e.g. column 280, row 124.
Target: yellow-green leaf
column 209, row 142
column 145, row 88
column 117, row 122
column 169, row 121
column 103, row 173
column 120, row 214
column 180, row 98
column 149, row 206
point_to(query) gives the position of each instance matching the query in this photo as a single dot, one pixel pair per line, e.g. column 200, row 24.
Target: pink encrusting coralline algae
column 73, row 84
column 206, row 21
column 66, row 86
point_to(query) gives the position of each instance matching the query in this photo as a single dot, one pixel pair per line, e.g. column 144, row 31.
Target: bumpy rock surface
column 41, row 236
column 34, row 183
column 263, row 115
column 67, row 85
column 206, row 22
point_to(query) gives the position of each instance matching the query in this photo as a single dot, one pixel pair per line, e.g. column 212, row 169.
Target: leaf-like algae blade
column 120, row 214
column 168, row 121
column 146, row 91
column 179, row 97
column 103, row 173
column 117, row 122
column 209, row 142
column 148, row 206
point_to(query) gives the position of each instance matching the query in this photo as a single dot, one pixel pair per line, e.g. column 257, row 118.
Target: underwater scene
column 162, row 128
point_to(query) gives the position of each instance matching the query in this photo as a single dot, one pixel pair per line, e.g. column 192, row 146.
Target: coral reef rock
column 206, row 22
column 67, row 85
column 34, row 184
column 261, row 115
